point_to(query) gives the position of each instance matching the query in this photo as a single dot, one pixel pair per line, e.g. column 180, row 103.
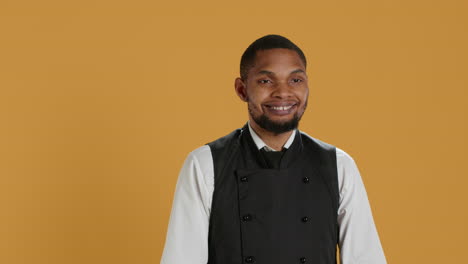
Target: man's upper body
column 187, row 234
column 273, row 83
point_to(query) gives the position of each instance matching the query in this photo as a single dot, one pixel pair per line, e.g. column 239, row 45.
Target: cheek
column 256, row 97
column 302, row 95
column 254, row 106
column 254, row 102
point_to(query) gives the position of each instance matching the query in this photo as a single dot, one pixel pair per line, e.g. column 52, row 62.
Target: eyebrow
column 266, row 72
column 272, row 73
column 298, row 71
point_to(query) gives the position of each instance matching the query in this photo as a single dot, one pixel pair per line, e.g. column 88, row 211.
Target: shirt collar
column 260, row 144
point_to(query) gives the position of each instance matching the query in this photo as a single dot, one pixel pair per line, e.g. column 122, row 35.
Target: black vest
column 273, row 216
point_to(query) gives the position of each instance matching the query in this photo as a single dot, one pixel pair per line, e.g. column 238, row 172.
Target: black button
column 305, row 180
column 247, row 217
column 303, row 260
column 244, row 179
column 250, row 259
column 305, row 219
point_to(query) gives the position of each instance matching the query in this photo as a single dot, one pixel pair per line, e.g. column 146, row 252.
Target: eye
column 296, row 80
column 264, row 81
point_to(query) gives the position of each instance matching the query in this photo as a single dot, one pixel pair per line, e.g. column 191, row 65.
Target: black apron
column 266, row 215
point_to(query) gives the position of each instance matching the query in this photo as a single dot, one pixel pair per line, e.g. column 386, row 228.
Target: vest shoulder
column 224, row 141
column 307, row 139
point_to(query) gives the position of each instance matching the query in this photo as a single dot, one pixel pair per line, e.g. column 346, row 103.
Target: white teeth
column 282, row 108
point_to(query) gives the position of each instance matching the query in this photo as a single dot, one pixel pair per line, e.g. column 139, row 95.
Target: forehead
column 274, row 58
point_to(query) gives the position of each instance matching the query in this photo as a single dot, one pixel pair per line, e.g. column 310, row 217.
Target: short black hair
column 265, row 43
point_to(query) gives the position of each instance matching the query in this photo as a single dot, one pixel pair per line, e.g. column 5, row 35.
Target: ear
column 241, row 89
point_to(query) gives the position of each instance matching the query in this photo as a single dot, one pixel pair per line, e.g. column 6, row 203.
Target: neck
column 273, row 140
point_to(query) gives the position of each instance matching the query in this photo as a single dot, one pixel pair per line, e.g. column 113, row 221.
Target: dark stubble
column 276, row 127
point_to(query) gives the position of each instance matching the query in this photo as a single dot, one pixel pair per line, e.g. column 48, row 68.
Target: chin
column 277, row 126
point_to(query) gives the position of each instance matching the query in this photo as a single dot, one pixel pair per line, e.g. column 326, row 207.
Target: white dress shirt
column 187, row 234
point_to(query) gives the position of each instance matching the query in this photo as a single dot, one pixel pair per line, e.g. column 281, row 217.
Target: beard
column 277, row 127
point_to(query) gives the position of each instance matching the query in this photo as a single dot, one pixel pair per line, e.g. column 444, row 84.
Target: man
column 268, row 193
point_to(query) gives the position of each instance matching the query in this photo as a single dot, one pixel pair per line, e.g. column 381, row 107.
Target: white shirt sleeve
column 358, row 240
column 187, row 234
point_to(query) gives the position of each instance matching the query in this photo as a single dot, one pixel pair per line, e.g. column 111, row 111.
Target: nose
column 282, row 90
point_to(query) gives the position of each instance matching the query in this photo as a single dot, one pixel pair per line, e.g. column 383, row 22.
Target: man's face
column 276, row 90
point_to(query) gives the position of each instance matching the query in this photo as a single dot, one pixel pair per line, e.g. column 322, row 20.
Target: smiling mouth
column 280, row 109
column 280, row 106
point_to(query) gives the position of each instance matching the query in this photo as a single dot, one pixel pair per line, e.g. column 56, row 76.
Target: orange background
column 101, row 101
